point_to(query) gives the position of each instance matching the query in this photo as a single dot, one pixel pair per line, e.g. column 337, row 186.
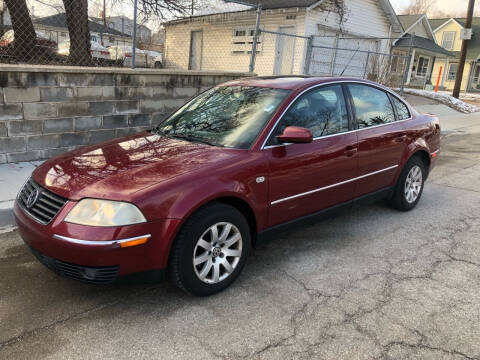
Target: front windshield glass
column 227, row 116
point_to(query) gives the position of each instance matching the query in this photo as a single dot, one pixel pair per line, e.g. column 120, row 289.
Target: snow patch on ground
column 445, row 99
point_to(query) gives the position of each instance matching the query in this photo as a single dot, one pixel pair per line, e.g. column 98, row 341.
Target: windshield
column 228, row 116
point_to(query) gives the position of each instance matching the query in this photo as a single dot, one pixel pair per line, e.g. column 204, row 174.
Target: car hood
column 119, row 168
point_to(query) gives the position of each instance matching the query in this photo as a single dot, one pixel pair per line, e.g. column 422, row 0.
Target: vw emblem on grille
column 32, row 198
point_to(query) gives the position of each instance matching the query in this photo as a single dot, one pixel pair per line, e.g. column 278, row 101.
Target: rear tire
column 409, row 187
column 210, row 250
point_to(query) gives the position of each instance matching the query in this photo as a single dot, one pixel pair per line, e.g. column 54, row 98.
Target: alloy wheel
column 413, row 184
column 217, row 252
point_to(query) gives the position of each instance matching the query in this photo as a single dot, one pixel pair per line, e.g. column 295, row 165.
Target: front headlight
column 96, row 212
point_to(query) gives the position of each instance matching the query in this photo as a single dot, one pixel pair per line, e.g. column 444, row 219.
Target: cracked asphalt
column 372, row 283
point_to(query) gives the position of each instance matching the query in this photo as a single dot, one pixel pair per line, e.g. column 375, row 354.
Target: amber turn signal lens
column 138, row 241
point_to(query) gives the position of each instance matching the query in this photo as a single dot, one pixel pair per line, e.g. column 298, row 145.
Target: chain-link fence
column 214, row 36
column 78, row 32
column 272, row 43
column 360, row 58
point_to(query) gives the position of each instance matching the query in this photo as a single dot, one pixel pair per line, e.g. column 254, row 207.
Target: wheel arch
column 423, row 155
column 234, row 201
column 238, row 203
column 419, row 149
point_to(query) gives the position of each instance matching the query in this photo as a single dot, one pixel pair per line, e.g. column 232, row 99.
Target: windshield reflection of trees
column 231, row 116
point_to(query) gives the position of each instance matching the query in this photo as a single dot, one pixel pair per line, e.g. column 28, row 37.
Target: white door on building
column 196, row 48
column 355, row 60
column 323, row 54
column 284, row 52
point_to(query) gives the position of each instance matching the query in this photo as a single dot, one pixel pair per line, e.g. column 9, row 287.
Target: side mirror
column 295, row 135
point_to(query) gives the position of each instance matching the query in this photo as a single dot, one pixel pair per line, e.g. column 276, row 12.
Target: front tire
column 409, row 188
column 210, row 250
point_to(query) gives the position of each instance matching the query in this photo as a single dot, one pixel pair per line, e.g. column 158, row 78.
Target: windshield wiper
column 190, row 138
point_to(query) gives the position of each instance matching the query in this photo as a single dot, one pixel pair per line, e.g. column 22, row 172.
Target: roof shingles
column 421, row 43
column 60, row 20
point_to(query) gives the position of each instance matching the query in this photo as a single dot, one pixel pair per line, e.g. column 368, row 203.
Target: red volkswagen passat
column 240, row 160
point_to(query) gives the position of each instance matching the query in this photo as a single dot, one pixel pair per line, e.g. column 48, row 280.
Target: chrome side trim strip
column 410, row 109
column 331, row 186
column 98, row 243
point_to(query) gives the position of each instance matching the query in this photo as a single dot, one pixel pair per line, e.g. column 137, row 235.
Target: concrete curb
column 12, row 177
column 6, row 214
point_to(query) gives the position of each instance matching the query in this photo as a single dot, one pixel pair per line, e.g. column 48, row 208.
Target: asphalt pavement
column 372, row 283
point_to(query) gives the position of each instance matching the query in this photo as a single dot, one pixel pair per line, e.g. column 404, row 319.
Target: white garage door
column 334, row 54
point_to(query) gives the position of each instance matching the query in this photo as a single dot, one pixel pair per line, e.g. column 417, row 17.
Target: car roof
column 290, row 82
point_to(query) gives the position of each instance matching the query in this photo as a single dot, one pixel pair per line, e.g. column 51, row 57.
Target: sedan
column 243, row 160
column 97, row 50
column 43, row 41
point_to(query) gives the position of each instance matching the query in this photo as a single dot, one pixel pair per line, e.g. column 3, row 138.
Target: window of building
column 448, row 39
column 422, row 67
column 452, row 72
column 242, row 40
column 372, row 106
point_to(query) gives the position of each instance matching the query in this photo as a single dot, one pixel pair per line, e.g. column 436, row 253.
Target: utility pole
column 463, row 51
column 2, row 12
column 105, row 13
column 193, row 7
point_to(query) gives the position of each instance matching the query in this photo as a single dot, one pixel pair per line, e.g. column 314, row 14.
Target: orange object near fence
column 439, row 77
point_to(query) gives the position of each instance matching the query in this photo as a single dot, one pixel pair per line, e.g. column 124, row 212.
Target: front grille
column 92, row 275
column 46, row 205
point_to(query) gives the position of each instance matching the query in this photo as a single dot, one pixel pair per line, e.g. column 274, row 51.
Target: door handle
column 350, row 151
column 401, row 138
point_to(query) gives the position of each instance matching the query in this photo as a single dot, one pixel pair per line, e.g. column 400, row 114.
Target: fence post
column 408, row 61
column 134, row 45
column 255, row 39
column 308, row 55
column 366, row 66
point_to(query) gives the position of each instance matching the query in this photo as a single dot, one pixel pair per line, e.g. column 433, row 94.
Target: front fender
column 182, row 196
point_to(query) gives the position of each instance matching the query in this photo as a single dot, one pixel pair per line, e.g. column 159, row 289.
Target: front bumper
column 74, row 249
column 89, row 274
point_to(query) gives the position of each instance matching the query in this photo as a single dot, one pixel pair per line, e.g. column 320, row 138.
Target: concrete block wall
column 45, row 111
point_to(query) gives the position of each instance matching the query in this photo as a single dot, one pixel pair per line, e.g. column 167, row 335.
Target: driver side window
column 322, row 111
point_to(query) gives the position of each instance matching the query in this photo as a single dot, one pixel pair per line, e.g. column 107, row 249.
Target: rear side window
column 321, row 110
column 402, row 109
column 372, row 106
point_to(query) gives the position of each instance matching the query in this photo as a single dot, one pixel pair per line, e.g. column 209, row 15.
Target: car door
column 381, row 138
column 307, row 178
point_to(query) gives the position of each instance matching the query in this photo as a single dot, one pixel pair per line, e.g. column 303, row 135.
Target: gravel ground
column 372, row 283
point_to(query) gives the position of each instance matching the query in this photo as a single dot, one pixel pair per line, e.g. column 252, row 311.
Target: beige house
column 221, row 39
column 420, row 42
column 448, row 33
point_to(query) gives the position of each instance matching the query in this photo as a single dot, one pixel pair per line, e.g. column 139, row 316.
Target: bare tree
column 418, row 7
column 55, row 5
column 77, row 22
column 25, row 37
column 164, row 9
